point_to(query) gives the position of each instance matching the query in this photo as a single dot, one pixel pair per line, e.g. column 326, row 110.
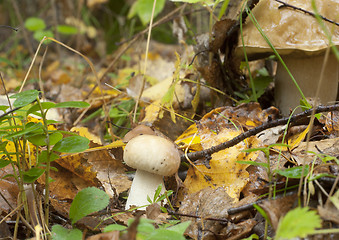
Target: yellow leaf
column 223, row 170
column 152, row 111
column 83, row 131
column 189, row 139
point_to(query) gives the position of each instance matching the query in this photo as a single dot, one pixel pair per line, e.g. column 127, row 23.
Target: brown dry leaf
column 332, row 122
column 77, row 164
column 222, row 170
column 238, row 231
column 154, row 212
column 9, row 190
column 294, row 137
column 326, row 146
column 110, row 170
column 98, row 166
column 50, row 69
column 207, row 203
column 329, row 213
column 165, row 123
column 63, row 188
column 60, row 77
column 277, row 208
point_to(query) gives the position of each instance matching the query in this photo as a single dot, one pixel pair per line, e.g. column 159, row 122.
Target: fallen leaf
column 207, row 203
column 222, row 170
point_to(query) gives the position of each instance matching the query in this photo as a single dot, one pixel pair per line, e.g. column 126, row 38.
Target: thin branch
column 200, row 154
column 10, row 27
column 304, row 11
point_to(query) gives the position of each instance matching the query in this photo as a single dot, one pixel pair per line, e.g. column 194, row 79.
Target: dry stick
column 224, row 220
column 305, row 11
column 143, row 81
column 40, row 77
column 311, row 122
column 10, row 27
column 200, row 154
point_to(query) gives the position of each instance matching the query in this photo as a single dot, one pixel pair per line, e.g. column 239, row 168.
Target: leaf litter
column 209, row 187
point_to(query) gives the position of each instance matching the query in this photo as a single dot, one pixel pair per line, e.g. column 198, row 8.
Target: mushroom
column 153, row 157
column 301, row 42
column 137, row 131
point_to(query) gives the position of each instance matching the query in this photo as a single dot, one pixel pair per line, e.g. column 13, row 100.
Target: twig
column 200, row 154
column 10, row 27
column 170, row 212
column 304, row 11
column 143, row 80
column 249, row 206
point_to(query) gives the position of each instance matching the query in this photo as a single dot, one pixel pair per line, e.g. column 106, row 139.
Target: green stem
column 48, row 164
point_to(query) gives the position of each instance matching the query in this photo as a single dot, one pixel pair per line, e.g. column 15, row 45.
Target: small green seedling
column 38, row 27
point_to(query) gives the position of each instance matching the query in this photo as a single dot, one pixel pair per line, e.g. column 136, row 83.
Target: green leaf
column 3, row 108
column 180, row 228
column 3, row 145
column 298, row 223
column 253, row 236
column 32, row 174
column 87, row 201
column 157, row 192
column 66, row 29
column 34, row 24
column 294, row 172
column 40, row 139
column 114, row 227
column 261, row 83
column 145, row 227
column 335, row 199
column 36, row 107
column 262, row 212
column 29, row 128
column 72, row 144
column 72, row 104
column 164, row 234
column 194, row 1
column 4, row 163
column 143, row 8
column 43, row 157
column 40, row 34
column 253, row 163
column 61, row 233
column 25, row 98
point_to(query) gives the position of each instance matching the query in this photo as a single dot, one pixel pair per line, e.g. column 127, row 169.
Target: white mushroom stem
column 307, row 72
column 144, row 184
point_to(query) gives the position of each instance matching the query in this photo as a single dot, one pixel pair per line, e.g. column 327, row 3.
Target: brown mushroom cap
column 289, row 30
column 137, row 131
column 153, row 154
